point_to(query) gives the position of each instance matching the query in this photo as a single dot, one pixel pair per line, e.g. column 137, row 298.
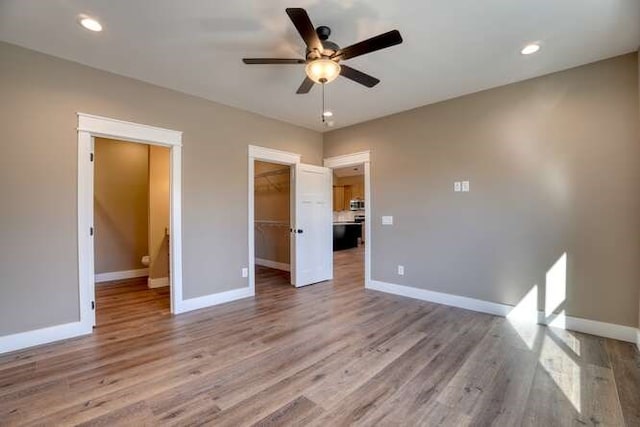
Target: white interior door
column 312, row 225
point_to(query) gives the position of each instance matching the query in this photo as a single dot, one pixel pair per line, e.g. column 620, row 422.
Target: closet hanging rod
column 271, row 223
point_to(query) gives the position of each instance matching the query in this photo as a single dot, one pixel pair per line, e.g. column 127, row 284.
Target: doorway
column 310, row 216
column 131, row 231
column 91, row 127
column 272, row 230
column 349, row 223
column 352, row 216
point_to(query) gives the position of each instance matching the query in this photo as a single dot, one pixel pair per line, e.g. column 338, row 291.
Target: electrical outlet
column 465, row 186
column 245, row 272
column 401, row 270
column 457, row 186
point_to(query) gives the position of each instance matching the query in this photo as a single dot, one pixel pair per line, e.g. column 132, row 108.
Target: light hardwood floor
column 325, row 355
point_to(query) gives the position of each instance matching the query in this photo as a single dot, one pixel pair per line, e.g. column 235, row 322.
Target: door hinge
column 93, row 305
column 91, row 157
column 90, row 231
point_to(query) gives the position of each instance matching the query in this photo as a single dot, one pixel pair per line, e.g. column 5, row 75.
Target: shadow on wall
column 160, row 258
column 114, row 239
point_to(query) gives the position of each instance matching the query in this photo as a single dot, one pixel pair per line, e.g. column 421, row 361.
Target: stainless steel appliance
column 356, row 205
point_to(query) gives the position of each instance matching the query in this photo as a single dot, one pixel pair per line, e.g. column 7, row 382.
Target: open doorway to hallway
column 131, row 231
column 272, row 224
column 349, row 222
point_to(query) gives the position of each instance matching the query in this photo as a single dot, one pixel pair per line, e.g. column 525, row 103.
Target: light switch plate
column 465, row 186
column 245, row 272
column 387, row 220
column 457, row 187
column 401, row 270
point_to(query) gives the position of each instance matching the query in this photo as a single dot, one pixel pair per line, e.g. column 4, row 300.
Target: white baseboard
column 214, row 299
column 23, row 340
column 441, row 298
column 159, row 282
column 121, row 275
column 273, row 264
column 593, row 327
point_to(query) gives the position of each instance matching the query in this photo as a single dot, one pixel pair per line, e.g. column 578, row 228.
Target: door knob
column 300, row 231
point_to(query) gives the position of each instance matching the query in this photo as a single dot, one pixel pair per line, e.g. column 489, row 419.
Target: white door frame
column 265, row 155
column 89, row 127
column 363, row 157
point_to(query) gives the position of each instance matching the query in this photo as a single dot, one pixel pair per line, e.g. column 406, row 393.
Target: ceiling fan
column 323, row 56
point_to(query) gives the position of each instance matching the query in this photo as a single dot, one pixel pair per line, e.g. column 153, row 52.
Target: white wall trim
column 441, row 298
column 638, row 339
column 43, row 336
column 273, row 264
column 215, row 299
column 119, row 129
column 267, row 155
column 158, row 282
column 353, row 160
column 273, row 156
column 120, row 275
column 89, row 127
column 347, row 160
column 593, row 327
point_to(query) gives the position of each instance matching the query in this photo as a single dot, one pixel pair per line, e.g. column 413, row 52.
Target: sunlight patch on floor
column 562, row 368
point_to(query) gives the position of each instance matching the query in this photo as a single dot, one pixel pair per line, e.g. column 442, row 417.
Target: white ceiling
column 452, row 47
column 349, row 171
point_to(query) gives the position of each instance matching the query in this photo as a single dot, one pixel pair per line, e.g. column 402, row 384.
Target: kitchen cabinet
column 357, row 191
column 345, row 235
column 342, row 195
column 338, row 198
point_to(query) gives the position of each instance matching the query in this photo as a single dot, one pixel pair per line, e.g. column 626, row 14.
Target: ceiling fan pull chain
column 323, row 110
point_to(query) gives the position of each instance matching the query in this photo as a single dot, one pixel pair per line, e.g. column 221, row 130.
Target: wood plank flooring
column 324, row 355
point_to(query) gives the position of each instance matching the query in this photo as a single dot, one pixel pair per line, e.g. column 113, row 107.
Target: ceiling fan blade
column 272, row 61
column 306, row 86
column 304, row 26
column 378, row 42
column 358, row 76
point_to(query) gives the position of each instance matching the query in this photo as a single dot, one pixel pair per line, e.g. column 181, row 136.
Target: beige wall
column 272, row 203
column 554, row 165
column 121, row 188
column 159, row 198
column 38, row 179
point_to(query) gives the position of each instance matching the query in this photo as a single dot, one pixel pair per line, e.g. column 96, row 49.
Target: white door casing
column 312, row 225
column 89, row 127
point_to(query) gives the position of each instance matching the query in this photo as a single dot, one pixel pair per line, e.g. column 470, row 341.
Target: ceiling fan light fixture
column 322, row 70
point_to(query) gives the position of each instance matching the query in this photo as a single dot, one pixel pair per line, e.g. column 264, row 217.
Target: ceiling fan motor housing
column 330, row 47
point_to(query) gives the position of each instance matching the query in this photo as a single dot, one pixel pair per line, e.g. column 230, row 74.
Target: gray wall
column 40, row 96
column 554, row 165
column 121, row 205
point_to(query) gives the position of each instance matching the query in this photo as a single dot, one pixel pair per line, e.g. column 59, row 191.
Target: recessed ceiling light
column 530, row 48
column 328, row 114
column 90, row 23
